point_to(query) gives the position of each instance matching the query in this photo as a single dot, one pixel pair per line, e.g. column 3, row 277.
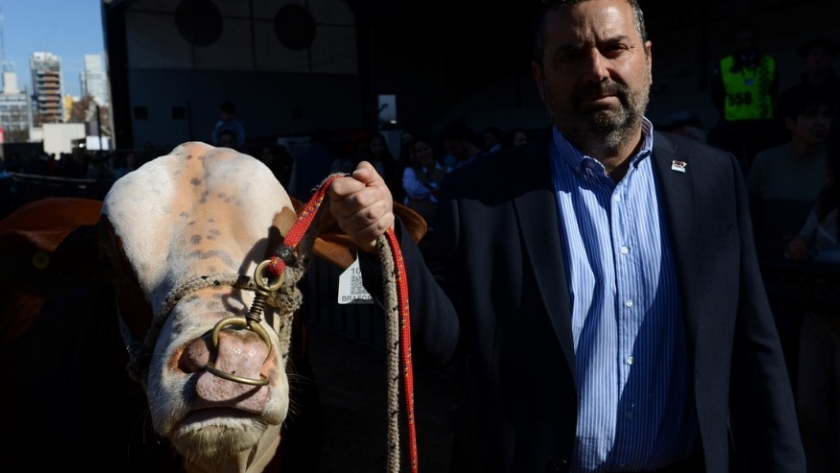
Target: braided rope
column 140, row 353
column 392, row 345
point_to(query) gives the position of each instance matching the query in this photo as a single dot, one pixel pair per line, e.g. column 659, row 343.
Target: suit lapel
column 533, row 197
column 677, row 191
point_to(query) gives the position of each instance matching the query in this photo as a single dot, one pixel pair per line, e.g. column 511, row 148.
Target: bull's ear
column 136, row 312
column 280, row 227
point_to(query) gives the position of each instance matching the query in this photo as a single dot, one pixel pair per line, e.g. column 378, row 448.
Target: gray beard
column 601, row 131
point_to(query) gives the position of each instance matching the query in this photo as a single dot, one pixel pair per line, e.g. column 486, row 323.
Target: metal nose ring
column 239, row 322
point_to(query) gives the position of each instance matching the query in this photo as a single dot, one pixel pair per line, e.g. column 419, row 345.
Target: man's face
column 596, row 72
column 746, row 41
column 424, row 153
column 377, row 147
column 456, row 148
column 818, row 60
column 812, row 125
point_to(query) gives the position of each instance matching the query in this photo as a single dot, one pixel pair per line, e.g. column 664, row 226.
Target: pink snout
column 239, row 352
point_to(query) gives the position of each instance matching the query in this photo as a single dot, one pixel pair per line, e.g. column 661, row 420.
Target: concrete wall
column 267, row 103
column 58, row 137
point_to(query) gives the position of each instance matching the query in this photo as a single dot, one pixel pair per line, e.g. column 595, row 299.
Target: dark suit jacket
column 495, row 296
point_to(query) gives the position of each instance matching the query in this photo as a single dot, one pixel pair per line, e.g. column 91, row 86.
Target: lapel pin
column 678, row 166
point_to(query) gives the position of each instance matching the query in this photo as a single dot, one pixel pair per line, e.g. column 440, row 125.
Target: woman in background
column 818, row 380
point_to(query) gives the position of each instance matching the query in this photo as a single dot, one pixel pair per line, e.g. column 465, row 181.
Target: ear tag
column 350, row 287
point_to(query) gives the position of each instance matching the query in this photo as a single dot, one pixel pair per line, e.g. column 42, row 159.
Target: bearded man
column 600, row 285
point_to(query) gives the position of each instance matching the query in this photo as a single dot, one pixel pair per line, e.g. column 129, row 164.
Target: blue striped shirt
column 635, row 410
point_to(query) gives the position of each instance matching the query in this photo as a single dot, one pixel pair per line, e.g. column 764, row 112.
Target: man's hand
column 362, row 205
column 797, row 248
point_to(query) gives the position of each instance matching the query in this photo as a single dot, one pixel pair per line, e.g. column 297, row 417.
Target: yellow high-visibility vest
column 748, row 90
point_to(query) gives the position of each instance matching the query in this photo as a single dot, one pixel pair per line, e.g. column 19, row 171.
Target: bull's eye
column 40, row 260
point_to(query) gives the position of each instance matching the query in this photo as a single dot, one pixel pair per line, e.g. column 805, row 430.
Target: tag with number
column 350, row 288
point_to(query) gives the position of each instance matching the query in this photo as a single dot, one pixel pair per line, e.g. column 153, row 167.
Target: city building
column 15, row 118
column 46, row 87
column 94, row 80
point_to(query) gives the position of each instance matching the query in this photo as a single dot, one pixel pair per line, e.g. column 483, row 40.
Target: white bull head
column 179, row 232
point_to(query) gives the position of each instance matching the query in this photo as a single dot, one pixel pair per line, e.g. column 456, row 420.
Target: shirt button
column 629, row 360
column 560, row 464
column 624, row 250
column 629, row 303
column 617, row 198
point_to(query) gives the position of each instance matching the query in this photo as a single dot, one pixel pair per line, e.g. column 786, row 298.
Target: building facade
column 94, row 80
column 15, row 116
column 46, row 87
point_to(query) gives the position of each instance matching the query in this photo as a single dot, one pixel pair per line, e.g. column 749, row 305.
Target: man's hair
column 547, row 6
column 228, row 107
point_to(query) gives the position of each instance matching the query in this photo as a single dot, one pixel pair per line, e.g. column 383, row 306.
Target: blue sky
column 67, row 28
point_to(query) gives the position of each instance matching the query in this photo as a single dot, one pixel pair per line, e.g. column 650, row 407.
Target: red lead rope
column 405, row 345
column 277, row 265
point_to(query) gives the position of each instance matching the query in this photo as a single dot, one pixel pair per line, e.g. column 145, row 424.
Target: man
column 744, row 87
column 785, row 181
column 493, row 139
column 228, row 123
column 819, row 78
column 458, row 141
column 227, row 139
column 600, row 284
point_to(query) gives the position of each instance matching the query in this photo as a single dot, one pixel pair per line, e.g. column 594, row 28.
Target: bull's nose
column 239, row 352
column 195, row 355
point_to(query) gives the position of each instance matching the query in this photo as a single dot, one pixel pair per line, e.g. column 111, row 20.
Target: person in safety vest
column 744, row 88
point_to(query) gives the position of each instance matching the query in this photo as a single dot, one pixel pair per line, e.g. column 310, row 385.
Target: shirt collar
column 579, row 161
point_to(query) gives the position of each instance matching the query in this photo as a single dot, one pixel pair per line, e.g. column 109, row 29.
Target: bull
column 162, row 277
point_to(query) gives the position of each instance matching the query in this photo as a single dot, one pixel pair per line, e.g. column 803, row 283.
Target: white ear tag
column 350, row 288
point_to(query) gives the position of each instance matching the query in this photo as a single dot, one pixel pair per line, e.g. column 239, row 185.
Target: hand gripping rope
column 398, row 319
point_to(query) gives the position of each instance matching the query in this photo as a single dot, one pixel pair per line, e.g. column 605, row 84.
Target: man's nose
column 596, row 66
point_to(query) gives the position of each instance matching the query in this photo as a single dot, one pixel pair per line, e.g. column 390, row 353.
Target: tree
column 82, row 110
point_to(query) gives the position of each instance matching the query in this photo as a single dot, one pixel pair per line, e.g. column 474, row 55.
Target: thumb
column 366, row 173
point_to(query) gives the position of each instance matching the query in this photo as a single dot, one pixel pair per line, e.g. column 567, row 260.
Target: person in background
column 279, row 161
column 228, row 123
column 493, row 139
column 421, row 182
column 459, row 142
column 516, row 136
column 599, row 284
column 785, row 181
column 744, row 88
column 819, row 78
column 818, row 380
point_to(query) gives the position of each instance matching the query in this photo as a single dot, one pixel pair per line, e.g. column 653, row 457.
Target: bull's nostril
column 195, row 356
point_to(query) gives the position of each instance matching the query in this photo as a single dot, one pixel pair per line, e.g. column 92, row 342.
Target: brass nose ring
column 239, row 322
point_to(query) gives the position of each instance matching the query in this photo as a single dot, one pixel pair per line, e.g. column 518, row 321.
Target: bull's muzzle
column 265, row 287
